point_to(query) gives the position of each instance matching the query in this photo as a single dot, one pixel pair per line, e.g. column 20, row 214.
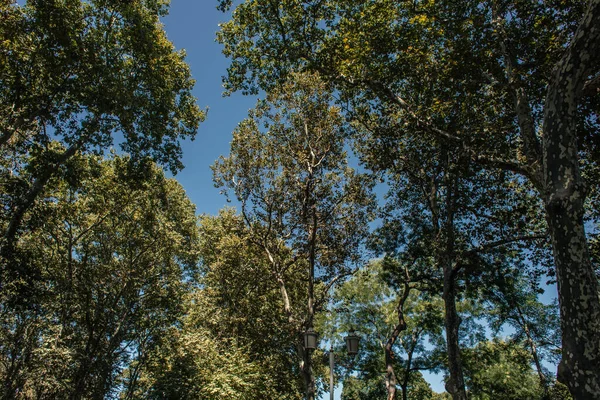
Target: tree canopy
column 511, row 85
column 85, row 74
column 111, row 262
column 420, row 173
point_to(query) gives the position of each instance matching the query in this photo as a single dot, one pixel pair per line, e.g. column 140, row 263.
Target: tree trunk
column 579, row 303
column 456, row 382
column 578, row 291
column 534, row 352
column 404, row 391
column 446, row 257
column 390, row 376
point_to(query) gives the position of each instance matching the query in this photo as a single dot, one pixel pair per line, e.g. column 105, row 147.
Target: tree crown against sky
column 352, row 54
column 512, row 85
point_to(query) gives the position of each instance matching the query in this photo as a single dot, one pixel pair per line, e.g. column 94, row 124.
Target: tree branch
column 502, row 242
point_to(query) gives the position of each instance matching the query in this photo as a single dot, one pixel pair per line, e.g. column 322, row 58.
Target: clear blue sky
column 192, row 25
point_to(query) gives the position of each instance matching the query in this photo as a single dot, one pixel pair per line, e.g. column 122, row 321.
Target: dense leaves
column 85, row 74
column 479, row 119
column 111, row 260
column 506, row 85
column 305, row 208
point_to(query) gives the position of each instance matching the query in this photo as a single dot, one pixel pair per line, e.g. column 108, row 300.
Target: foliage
column 79, row 71
column 508, row 85
column 363, row 389
column 500, row 370
column 233, row 340
column 560, row 392
column 536, row 325
column 194, row 362
column 111, row 260
column 366, row 303
column 295, row 173
column 84, row 74
column 374, row 389
column 305, row 208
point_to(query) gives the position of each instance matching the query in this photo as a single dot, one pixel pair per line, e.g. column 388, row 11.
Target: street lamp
column 352, row 343
column 310, row 339
column 352, row 349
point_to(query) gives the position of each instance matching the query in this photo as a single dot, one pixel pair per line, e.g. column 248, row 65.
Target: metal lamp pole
column 331, row 366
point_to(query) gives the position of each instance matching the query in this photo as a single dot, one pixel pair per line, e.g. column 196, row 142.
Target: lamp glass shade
column 352, row 343
column 310, row 339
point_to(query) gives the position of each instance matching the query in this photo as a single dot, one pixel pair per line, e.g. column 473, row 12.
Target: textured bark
column 456, row 382
column 390, row 375
column 579, row 303
column 564, row 202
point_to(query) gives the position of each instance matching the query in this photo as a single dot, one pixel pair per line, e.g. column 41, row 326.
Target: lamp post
column 351, row 348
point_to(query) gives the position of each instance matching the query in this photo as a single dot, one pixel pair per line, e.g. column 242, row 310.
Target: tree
column 82, row 73
column 512, row 83
column 232, row 340
column 366, row 301
column 447, row 224
column 112, row 258
column 535, row 324
column 500, row 369
column 195, row 362
column 305, row 208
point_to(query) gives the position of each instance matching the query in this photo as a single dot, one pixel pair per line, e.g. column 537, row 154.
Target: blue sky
column 192, row 25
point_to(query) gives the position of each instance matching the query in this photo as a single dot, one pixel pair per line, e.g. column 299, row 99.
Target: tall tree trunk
column 390, row 375
column 579, row 302
column 446, row 259
column 578, row 290
column 456, row 382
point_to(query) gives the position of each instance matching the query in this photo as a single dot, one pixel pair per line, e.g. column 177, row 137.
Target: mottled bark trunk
column 579, row 302
column 578, row 290
column 456, row 382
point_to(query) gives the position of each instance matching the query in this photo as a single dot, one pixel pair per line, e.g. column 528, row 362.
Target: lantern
column 310, row 339
column 352, row 343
